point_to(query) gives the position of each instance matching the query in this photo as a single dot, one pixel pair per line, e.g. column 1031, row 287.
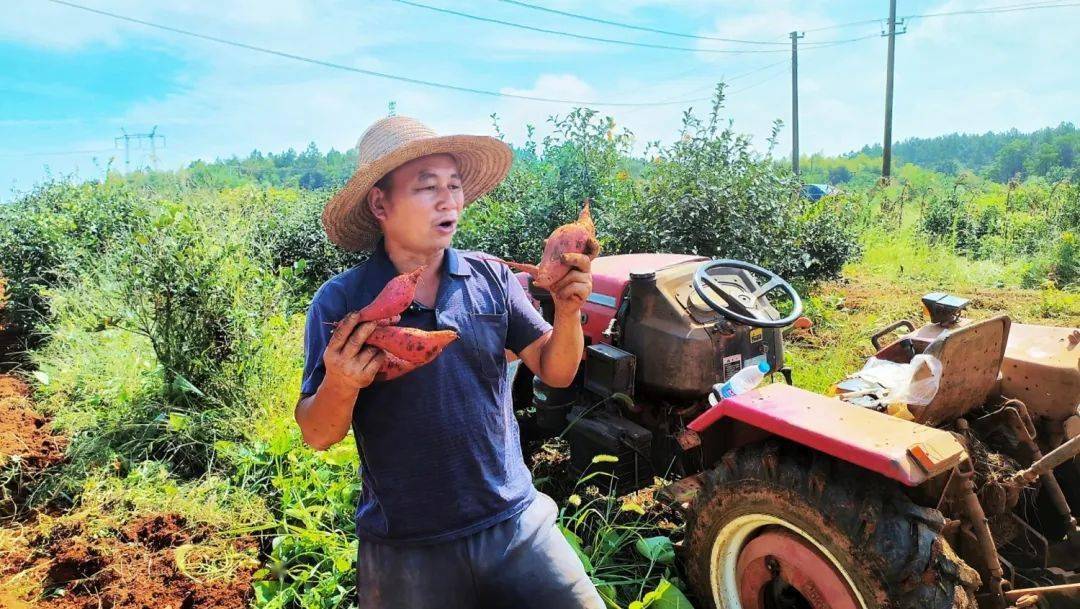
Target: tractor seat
column 970, row 359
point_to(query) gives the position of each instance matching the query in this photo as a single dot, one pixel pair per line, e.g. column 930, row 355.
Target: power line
column 841, row 25
column 984, row 10
column 755, row 70
column 990, row 10
column 637, row 27
column 583, row 36
column 610, row 40
column 727, row 93
column 773, row 76
column 726, row 81
column 463, row 89
column 337, row 66
column 127, row 138
column 834, row 43
column 56, row 152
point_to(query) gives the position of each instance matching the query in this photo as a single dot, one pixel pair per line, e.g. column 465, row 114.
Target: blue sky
column 71, row 80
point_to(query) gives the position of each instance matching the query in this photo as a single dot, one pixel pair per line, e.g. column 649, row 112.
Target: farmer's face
column 421, row 211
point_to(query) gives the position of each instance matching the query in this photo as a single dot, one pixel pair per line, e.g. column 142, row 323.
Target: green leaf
column 41, row 377
column 341, row 454
column 342, row 563
column 266, row 590
column 607, row 593
column 624, row 399
column 177, row 421
column 575, row 543
column 609, row 540
column 657, row 549
column 665, row 596
column 279, row 444
column 605, row 459
column 185, row 385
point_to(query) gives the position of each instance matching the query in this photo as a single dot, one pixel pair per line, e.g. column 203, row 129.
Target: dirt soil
column 136, row 569
column 23, row 432
column 63, row 567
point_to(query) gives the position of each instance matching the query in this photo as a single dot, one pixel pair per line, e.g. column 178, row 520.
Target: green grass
column 907, row 258
column 885, row 285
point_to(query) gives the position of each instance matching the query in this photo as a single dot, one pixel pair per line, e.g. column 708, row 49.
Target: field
column 148, row 455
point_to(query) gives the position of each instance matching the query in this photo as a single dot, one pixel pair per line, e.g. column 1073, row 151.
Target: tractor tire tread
column 895, row 543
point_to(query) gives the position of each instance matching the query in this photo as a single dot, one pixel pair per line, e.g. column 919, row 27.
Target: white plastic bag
column 915, row 383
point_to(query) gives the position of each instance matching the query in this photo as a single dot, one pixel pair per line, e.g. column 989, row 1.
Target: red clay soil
column 135, row 570
column 23, row 432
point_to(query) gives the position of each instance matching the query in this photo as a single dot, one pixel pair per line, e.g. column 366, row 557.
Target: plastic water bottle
column 740, row 382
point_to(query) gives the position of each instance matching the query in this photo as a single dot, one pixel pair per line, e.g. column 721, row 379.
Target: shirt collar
column 456, row 264
column 383, row 268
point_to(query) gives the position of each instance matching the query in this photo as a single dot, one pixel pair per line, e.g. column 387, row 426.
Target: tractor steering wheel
column 738, row 305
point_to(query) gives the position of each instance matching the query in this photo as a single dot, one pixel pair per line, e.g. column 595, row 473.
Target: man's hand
column 349, row 363
column 570, row 292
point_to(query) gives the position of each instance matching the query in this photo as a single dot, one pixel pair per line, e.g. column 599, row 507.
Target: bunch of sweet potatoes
column 406, row 349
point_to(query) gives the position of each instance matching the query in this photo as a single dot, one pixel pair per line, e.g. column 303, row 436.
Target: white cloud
column 338, row 27
column 952, row 74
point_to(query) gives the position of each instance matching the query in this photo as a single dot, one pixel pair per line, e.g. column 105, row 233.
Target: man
column 448, row 516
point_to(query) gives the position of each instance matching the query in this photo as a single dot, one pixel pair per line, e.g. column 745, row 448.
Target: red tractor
column 794, row 499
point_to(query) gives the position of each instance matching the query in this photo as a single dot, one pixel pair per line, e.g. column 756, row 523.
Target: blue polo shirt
column 439, row 450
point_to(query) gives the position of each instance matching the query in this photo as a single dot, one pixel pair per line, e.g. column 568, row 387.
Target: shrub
column 50, row 233
column 583, row 158
column 189, row 287
column 1066, row 260
column 708, row 193
column 290, row 236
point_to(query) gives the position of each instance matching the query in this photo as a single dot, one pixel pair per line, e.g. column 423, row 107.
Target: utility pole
column 795, row 36
column 153, row 146
column 127, row 148
column 152, row 136
column 886, row 150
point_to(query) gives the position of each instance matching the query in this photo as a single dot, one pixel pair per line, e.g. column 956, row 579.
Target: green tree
column 839, row 175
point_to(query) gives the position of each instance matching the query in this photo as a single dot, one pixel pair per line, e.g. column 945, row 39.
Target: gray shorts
column 520, row 563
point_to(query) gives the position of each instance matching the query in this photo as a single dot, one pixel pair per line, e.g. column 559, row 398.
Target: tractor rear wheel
column 778, row 526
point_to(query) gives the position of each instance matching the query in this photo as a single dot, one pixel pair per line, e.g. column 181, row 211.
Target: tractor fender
column 901, row 450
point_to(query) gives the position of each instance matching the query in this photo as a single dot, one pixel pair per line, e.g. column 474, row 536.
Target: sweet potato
column 411, row 344
column 393, row 367
column 395, row 297
column 388, row 321
column 577, row 237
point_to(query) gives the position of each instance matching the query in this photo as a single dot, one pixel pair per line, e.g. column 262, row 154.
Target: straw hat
column 391, row 142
